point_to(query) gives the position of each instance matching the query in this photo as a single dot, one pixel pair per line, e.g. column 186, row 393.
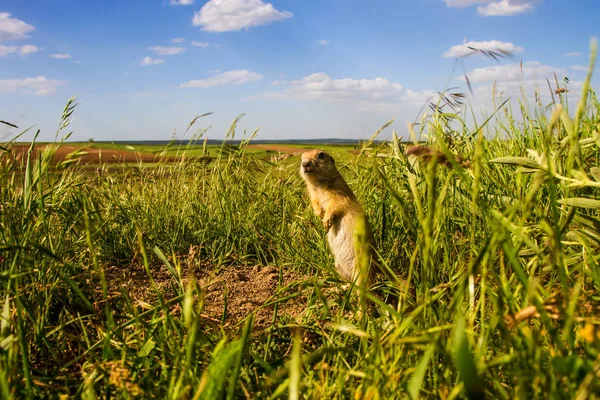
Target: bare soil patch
column 229, row 296
column 90, row 155
column 245, row 290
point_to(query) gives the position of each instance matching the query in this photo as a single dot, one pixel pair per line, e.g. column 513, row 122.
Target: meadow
column 208, row 276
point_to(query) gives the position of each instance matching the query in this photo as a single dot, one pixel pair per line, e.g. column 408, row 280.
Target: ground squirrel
column 335, row 203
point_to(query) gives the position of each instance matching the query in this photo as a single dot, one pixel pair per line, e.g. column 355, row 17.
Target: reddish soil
column 90, row 155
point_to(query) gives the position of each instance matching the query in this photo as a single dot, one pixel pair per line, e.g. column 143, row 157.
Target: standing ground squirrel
column 342, row 215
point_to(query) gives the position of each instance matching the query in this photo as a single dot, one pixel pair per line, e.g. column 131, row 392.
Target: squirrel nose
column 305, row 164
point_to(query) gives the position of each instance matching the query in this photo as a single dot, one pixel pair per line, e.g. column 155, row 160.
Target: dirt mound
column 245, row 290
column 229, row 296
column 89, row 155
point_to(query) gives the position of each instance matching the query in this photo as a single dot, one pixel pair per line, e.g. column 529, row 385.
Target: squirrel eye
column 321, row 156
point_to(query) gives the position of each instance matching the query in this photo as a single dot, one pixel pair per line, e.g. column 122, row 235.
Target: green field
column 213, row 150
column 202, row 280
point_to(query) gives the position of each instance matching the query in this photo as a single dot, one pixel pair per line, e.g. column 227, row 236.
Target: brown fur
column 337, row 206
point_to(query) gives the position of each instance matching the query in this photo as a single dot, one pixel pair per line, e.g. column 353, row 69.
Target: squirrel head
column 317, row 165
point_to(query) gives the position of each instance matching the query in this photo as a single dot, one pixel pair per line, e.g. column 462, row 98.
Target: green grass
column 212, row 150
column 472, row 245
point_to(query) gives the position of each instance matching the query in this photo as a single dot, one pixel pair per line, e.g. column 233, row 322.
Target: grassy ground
column 112, row 151
column 104, row 276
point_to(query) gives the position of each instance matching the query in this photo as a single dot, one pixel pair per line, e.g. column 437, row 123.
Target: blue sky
column 142, row 69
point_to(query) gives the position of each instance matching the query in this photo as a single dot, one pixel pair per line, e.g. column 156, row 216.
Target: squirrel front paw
column 328, row 223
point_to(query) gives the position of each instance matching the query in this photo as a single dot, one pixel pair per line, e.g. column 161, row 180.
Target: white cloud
column 24, row 50
column 464, row 3
column 6, row 50
column 573, row 54
column 323, row 41
column 515, row 89
column 321, row 85
column 235, row 77
column 29, row 49
column 40, row 85
column 578, row 67
column 178, row 40
column 150, row 61
column 512, row 80
column 362, row 93
column 12, row 28
column 466, row 48
column 62, row 56
column 182, row 2
column 506, row 8
column 495, row 8
column 199, row 44
column 167, row 51
column 385, row 96
column 233, row 15
column 531, row 70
